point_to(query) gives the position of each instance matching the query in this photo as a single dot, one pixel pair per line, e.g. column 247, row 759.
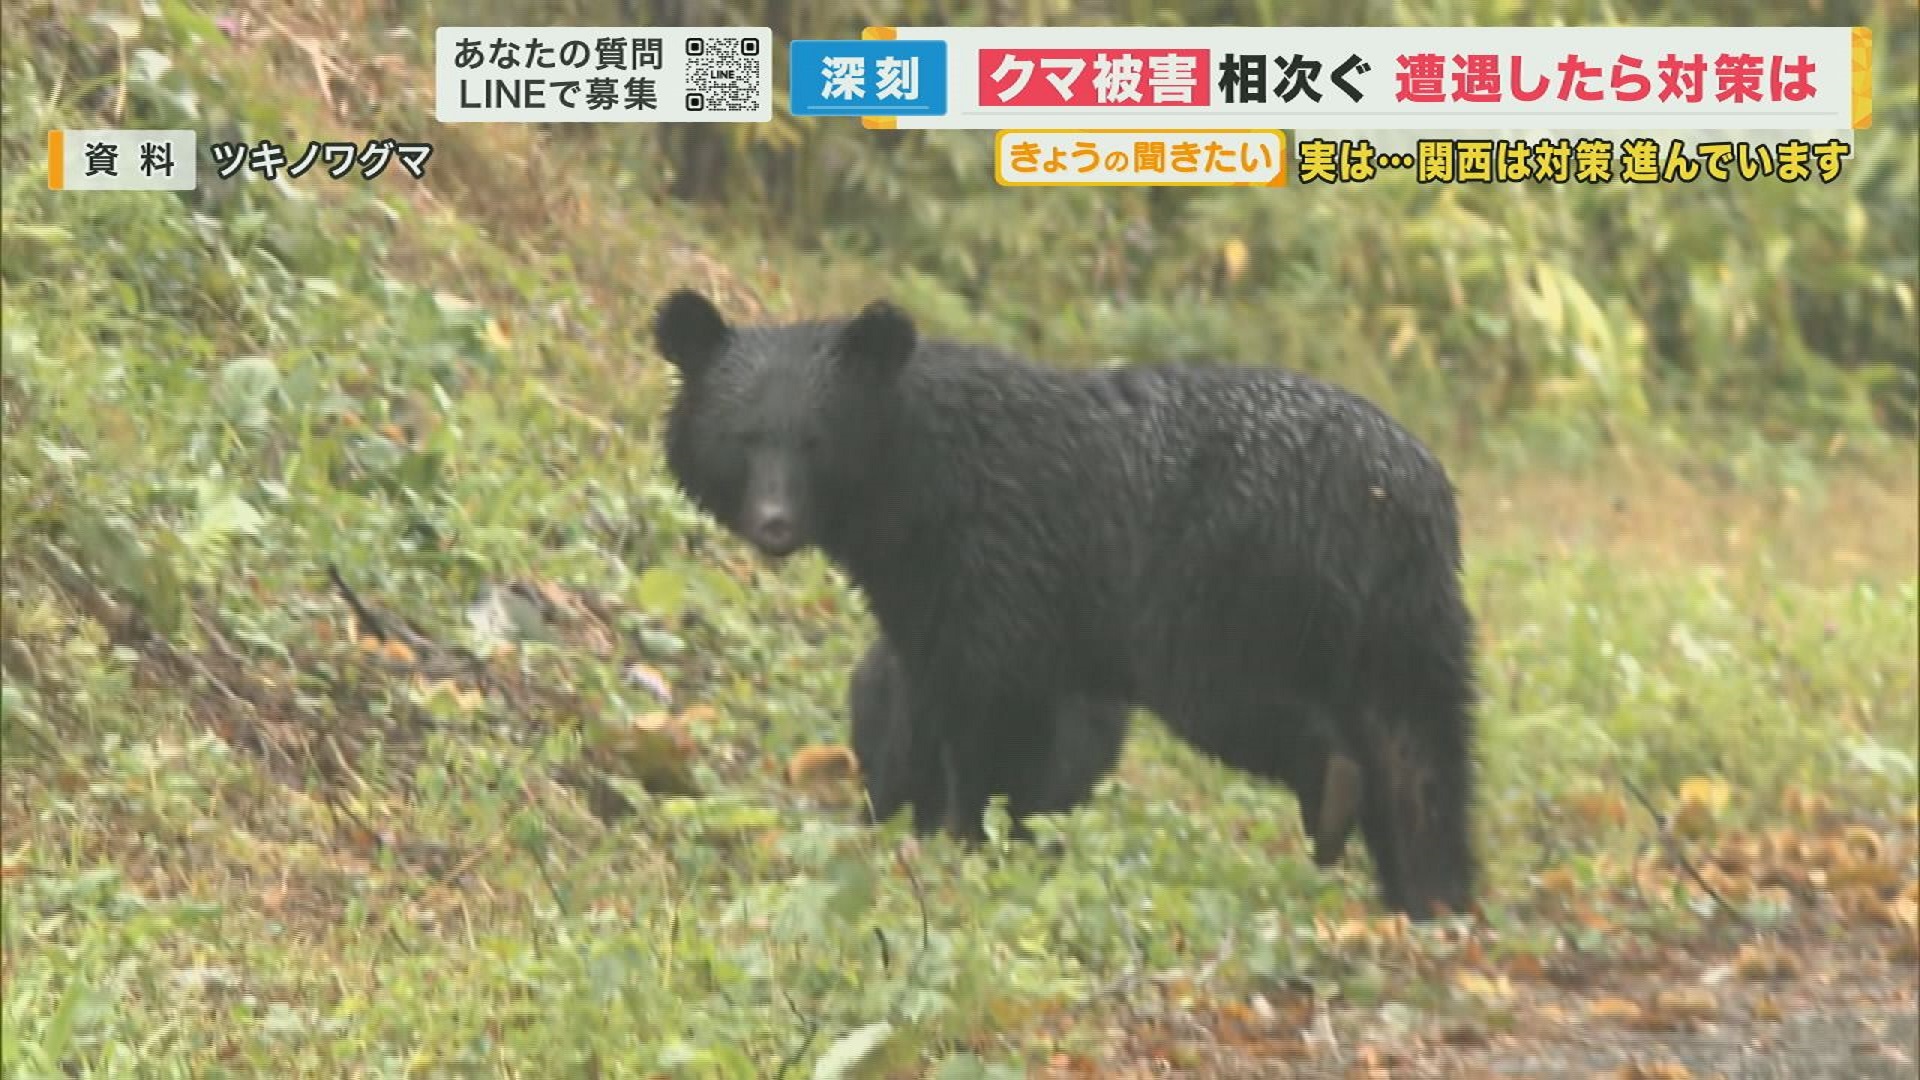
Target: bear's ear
column 881, row 338
column 687, row 329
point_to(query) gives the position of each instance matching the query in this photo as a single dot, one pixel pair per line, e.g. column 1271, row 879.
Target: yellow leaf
column 1701, row 801
column 1233, row 258
column 497, row 334
column 397, row 651
column 1491, row 990
column 1709, row 791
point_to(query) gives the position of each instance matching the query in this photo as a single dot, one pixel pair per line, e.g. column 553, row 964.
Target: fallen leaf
column 1490, row 990
column 818, row 765
column 650, row 679
column 1765, row 961
column 1596, row 808
column 497, row 334
column 1709, row 791
column 1701, row 799
column 1863, row 843
column 1526, row 966
column 1613, row 1008
column 1557, row 882
column 1652, row 1071
column 1873, row 875
column 653, row 749
column 1738, row 853
column 1683, row 1005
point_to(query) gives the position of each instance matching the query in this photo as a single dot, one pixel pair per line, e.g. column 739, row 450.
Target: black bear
column 901, row 770
column 1266, row 561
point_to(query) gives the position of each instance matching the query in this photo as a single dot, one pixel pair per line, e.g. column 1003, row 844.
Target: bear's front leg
column 996, row 748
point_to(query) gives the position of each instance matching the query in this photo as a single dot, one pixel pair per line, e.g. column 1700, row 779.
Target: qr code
column 723, row 74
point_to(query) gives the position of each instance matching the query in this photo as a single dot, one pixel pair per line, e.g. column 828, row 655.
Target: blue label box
column 867, row 78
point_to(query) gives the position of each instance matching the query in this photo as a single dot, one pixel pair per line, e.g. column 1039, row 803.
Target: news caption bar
column 1144, row 105
column 1586, row 79
column 1206, row 105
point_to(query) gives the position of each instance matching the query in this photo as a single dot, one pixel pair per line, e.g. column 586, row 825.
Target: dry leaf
column 1493, row 991
column 1686, row 1003
column 1557, row 882
column 1701, row 801
column 653, row 749
column 1526, row 966
column 1872, row 875
column 1613, row 1008
column 1739, row 853
column 1765, row 961
column 818, row 765
column 1656, row 1071
column 1596, row 808
column 1863, row 844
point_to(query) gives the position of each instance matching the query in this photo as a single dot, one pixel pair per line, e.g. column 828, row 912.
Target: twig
column 1674, row 852
column 808, row 1024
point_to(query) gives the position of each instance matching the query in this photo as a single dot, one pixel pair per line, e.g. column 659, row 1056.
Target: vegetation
column 563, row 799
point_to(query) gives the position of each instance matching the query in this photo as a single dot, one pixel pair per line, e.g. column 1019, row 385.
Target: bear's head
column 777, row 429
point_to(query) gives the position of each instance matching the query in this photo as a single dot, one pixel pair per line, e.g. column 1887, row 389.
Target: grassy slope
column 255, row 848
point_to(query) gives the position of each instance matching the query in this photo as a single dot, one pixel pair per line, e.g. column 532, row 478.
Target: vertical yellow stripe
column 1280, row 178
column 879, row 33
column 56, row 159
column 1862, row 77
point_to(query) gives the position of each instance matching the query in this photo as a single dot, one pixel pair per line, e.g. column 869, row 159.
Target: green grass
column 236, row 845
